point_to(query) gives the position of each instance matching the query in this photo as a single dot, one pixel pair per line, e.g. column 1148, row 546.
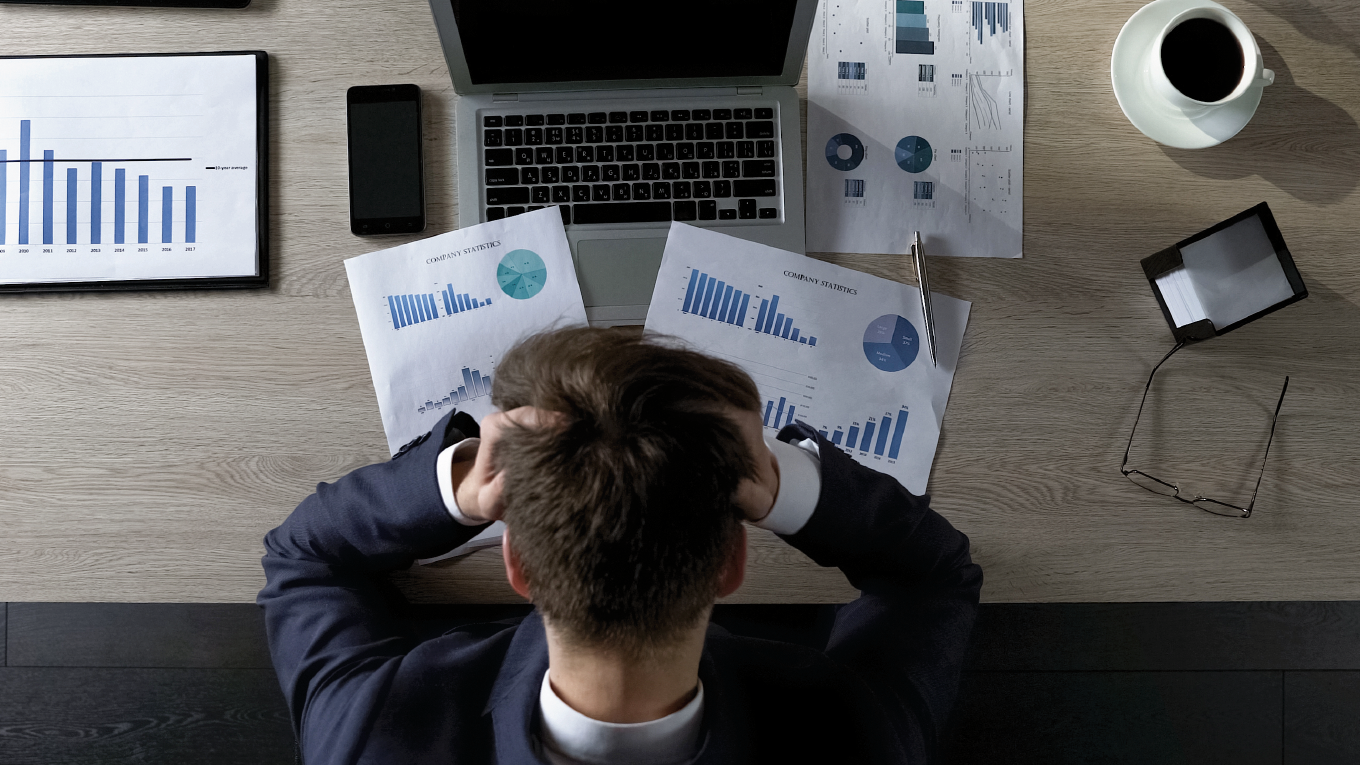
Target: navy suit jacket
column 361, row 688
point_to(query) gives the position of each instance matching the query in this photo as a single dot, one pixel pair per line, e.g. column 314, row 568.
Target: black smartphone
column 386, row 171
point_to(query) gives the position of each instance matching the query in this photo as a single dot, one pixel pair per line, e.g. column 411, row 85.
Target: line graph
column 984, row 106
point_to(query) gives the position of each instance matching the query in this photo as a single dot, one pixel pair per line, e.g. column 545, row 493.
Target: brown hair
column 622, row 515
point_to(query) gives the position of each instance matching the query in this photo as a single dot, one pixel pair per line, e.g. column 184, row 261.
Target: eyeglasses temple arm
column 1147, row 388
column 1273, row 420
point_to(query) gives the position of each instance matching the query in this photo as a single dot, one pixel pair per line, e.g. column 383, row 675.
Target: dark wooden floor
column 1239, row 683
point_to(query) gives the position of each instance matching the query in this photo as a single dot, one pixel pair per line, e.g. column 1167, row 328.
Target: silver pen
column 920, row 257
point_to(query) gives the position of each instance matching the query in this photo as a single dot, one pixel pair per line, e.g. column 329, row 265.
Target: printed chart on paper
column 916, row 123
column 836, row 349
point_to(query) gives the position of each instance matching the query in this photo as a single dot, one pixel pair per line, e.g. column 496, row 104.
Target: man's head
column 621, row 509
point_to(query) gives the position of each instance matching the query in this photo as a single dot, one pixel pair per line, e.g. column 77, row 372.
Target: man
column 623, row 469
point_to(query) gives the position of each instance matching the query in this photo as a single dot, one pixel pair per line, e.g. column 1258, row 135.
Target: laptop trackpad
column 618, row 271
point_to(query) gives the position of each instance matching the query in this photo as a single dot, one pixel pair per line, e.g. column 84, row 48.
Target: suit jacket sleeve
column 907, row 633
column 332, row 635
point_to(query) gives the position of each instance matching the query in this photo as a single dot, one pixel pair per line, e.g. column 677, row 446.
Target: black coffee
column 1203, row 59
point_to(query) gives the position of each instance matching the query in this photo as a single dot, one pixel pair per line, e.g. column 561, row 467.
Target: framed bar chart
column 133, row 171
column 871, row 436
column 713, row 298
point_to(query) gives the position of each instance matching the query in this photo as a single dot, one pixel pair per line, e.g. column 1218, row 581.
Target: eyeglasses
column 1169, row 489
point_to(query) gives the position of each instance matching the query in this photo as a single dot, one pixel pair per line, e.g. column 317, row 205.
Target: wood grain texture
column 1321, row 718
column 220, row 635
column 151, row 440
column 1116, row 718
column 60, row 716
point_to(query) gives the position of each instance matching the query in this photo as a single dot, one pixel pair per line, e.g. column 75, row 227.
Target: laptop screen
column 584, row 40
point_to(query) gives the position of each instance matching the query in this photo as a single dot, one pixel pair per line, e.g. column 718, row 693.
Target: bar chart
column 79, row 204
column 713, row 298
column 415, row 308
column 913, row 28
column 989, row 17
column 871, row 436
column 778, row 415
column 475, row 385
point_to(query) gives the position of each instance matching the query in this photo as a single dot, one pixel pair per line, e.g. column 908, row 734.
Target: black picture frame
column 231, row 4
column 261, row 276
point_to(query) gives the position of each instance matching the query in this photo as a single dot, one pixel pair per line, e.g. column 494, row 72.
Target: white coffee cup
column 1254, row 75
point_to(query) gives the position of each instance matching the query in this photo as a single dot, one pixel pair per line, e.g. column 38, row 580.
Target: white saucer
column 1147, row 110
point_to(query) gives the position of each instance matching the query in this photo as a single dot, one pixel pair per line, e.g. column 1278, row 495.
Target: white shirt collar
column 571, row 738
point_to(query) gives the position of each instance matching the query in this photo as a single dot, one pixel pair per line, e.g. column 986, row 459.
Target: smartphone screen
column 386, row 183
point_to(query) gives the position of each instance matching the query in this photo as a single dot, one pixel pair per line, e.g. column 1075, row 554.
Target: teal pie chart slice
column 521, row 274
column 844, row 152
column 891, row 343
column 913, row 154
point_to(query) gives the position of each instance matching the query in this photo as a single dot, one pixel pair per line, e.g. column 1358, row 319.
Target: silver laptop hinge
column 497, row 97
column 749, row 90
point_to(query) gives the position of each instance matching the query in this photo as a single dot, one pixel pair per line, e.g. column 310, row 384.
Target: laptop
column 627, row 116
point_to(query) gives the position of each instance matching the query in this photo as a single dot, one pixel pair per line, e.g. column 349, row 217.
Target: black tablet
column 140, row 3
column 134, row 171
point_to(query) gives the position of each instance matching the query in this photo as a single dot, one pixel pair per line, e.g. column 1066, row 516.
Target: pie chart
column 844, row 151
column 521, row 274
column 891, row 343
column 913, row 154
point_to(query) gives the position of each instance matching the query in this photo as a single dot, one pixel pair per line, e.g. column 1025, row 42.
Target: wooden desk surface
column 148, row 441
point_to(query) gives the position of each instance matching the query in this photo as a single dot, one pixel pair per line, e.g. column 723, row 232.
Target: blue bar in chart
column 866, row 444
column 96, row 202
column 777, row 415
column 71, row 186
column 119, row 204
column 167, row 213
column 990, row 16
column 48, row 183
column 414, row 309
column 913, row 28
column 143, row 204
column 190, row 214
column 4, row 184
column 24, row 133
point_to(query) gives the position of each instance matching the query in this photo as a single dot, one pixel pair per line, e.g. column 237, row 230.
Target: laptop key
column 670, row 171
column 722, row 189
column 509, row 211
column 624, row 153
column 564, row 155
column 681, row 190
column 703, row 190
column 735, row 131
column 694, row 132
column 614, row 134
column 690, row 170
column 514, row 137
column 495, row 213
column 760, row 130
column 557, row 119
column 494, row 157
column 651, row 171
column 746, row 149
column 659, row 115
column 746, row 208
column 609, row 173
column 758, row 168
column 514, row 120
column 524, row 156
column 492, row 121
column 686, row 211
column 550, row 175
column 553, row 136
column 528, row 176
column 713, row 131
column 540, row 195
column 621, row 192
column 633, row 133
column 580, row 193
column 577, row 118
column 491, row 137
column 726, row 150
column 731, row 169
column 675, row 132
column 631, row 172
column 712, row 170
column 704, row 150
column 618, row 117
column 765, row 113
column 741, row 114
column 680, row 115
column 590, row 173
column 599, row 193
column 566, row 214
column 702, row 115
column 502, row 176
column 533, row 136
column 604, row 153
column 576, row 135
column 764, row 148
column 665, row 151
column 727, row 214
column 708, row 210
column 509, row 195
column 585, row 154
column 655, row 133
column 764, row 187
column 646, row 152
column 637, row 116
column 684, row 150
column 533, row 119
column 769, row 212
column 594, row 134
column 543, row 155
column 630, row 212
column 561, row 194
column 722, row 114
column 642, row 191
column 661, row 190
column 571, row 174
column 597, row 118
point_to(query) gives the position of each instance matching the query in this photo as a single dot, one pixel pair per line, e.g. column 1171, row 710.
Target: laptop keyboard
column 638, row 166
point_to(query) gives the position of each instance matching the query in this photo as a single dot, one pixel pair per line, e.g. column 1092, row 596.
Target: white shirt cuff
column 443, row 468
column 800, row 484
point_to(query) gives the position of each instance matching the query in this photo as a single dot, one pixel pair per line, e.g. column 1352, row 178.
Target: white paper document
column 126, row 168
column 438, row 314
column 834, row 348
column 916, row 123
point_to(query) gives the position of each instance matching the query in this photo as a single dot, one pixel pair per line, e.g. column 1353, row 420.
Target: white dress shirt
column 571, row 738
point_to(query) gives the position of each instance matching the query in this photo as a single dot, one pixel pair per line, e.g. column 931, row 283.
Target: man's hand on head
column 755, row 496
column 479, row 482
